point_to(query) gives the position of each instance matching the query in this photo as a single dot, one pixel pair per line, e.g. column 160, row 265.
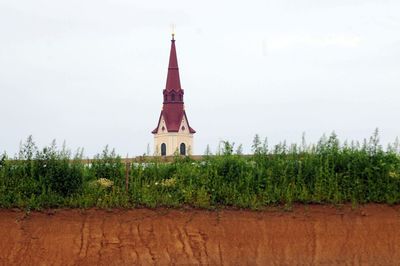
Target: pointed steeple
column 173, row 111
column 173, row 81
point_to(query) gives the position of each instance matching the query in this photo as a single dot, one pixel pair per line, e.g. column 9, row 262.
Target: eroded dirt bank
column 308, row 235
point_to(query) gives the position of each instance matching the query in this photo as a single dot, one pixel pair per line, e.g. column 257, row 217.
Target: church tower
column 173, row 133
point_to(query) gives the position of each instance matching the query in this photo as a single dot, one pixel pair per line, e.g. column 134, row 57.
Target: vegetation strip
column 326, row 172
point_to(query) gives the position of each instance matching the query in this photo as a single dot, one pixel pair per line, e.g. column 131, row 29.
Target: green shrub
column 107, row 165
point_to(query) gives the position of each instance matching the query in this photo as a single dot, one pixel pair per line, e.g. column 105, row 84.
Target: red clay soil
column 308, row 235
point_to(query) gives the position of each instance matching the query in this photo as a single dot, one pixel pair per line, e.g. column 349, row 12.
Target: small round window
column 183, row 128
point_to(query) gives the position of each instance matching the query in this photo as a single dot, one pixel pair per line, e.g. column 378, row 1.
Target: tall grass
column 325, row 172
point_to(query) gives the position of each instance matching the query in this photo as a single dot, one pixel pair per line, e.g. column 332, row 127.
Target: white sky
column 92, row 72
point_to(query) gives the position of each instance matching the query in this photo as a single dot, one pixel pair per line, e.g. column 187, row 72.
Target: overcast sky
column 92, row 72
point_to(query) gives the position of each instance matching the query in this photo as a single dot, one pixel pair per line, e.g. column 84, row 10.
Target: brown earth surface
column 307, row 235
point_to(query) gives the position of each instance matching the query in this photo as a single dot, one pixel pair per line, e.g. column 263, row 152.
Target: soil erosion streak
column 308, row 235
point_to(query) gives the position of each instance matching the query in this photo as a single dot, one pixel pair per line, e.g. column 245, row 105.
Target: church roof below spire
column 173, row 115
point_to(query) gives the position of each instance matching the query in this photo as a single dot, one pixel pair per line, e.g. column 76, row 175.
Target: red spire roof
column 173, row 81
column 173, row 110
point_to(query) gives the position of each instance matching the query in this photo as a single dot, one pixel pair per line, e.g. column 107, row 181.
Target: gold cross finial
column 173, row 31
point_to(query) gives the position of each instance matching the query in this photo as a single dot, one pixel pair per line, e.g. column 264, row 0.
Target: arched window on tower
column 163, row 149
column 173, row 97
column 182, row 149
column 165, row 97
column 180, row 97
